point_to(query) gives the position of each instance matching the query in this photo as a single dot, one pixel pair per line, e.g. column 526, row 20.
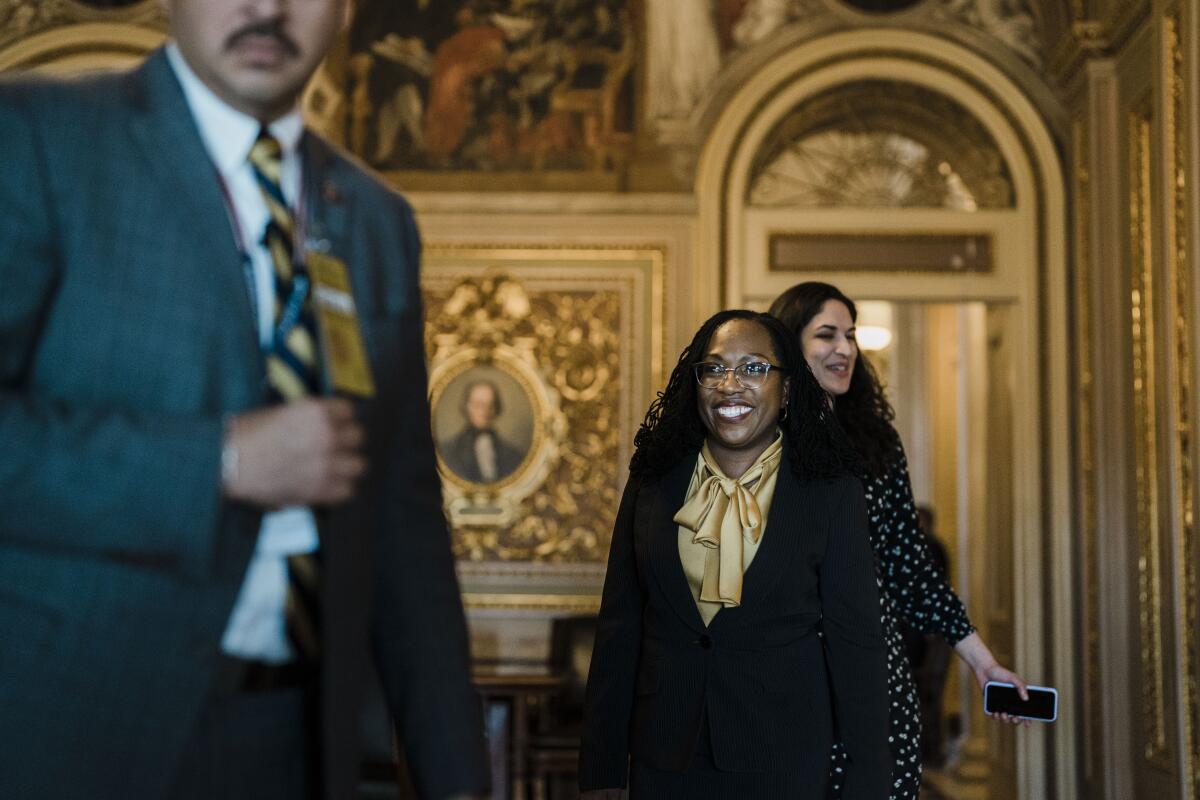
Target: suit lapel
column 785, row 530
column 666, row 498
column 163, row 126
column 325, row 229
column 327, row 201
column 327, row 208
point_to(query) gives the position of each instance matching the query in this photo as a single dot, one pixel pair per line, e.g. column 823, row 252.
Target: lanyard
column 294, row 306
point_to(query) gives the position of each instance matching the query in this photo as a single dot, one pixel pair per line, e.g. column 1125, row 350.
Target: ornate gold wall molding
column 1179, row 272
column 72, row 37
column 1146, row 477
column 573, row 337
column 21, row 19
column 558, row 603
column 1122, row 20
column 1093, row 752
column 1085, row 39
column 1092, row 37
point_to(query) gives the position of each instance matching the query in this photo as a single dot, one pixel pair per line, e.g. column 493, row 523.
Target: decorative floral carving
column 570, row 341
column 20, row 18
column 1010, row 21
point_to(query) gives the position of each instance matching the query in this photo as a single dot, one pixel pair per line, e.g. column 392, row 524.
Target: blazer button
column 706, row 642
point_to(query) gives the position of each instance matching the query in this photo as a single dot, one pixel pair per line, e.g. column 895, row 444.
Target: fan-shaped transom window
column 880, row 143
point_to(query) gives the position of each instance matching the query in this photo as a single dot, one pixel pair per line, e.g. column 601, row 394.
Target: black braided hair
column 863, row 411
column 672, row 429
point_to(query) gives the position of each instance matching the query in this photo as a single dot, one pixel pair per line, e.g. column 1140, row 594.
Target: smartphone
column 1002, row 698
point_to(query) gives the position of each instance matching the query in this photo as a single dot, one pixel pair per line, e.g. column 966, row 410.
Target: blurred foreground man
column 218, row 497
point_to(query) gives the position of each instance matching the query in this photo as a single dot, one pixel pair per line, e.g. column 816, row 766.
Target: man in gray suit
column 218, row 493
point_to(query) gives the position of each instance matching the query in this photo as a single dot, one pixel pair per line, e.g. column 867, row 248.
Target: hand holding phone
column 1002, row 698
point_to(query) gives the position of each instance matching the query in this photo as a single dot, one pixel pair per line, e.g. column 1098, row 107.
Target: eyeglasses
column 751, row 375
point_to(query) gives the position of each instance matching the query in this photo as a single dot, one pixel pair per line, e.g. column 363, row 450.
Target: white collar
column 229, row 134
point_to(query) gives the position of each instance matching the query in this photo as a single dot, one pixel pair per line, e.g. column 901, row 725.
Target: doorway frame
column 1034, row 280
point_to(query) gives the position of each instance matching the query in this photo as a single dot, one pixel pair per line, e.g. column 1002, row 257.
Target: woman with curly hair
column 913, row 588
column 742, row 532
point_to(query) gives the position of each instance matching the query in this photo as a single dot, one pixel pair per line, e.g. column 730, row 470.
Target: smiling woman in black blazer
column 741, row 535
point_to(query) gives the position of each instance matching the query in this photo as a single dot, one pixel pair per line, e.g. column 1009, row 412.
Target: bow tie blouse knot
column 723, row 513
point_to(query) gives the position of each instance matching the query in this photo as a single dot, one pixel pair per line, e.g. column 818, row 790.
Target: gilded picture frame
column 570, row 340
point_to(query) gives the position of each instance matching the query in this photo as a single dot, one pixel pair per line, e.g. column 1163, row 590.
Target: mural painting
column 491, row 85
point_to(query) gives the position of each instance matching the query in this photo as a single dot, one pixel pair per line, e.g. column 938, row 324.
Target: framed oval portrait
column 483, row 425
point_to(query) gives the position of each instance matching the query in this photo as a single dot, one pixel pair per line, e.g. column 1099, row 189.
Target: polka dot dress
column 913, row 590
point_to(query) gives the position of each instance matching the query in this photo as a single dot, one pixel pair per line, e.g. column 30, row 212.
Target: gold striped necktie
column 292, row 368
column 292, row 358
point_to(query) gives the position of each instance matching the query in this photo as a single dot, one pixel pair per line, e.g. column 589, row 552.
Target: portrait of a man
column 487, row 445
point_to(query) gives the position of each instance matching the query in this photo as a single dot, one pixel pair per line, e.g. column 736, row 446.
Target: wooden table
column 512, row 688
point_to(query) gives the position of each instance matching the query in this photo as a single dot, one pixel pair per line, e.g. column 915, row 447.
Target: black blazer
column 771, row 694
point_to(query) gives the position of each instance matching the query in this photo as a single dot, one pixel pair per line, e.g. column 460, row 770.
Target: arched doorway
column 769, row 214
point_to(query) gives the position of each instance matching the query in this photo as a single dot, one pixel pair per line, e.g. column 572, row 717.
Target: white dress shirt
column 485, row 455
column 256, row 628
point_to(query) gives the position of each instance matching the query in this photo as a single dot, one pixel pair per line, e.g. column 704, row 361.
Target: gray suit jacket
column 126, row 336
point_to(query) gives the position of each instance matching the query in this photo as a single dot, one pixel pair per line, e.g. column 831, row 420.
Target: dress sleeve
column 910, row 573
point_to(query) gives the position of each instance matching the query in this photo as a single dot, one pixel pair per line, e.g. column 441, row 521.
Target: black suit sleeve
column 856, row 653
column 420, row 631
column 604, row 749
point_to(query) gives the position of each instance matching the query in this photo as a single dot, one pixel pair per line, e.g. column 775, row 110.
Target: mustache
column 268, row 27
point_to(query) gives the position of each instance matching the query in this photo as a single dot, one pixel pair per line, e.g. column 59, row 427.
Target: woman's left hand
column 981, row 661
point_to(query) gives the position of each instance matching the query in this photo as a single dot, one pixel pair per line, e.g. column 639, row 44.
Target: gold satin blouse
column 721, row 524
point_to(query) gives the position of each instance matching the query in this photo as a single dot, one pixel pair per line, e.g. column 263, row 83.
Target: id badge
column 337, row 321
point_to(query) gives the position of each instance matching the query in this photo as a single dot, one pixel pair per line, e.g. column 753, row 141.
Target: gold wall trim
column 547, row 554
column 1122, row 21
column 1092, row 38
column 1145, row 448
column 656, row 253
column 559, row 603
column 1085, row 39
column 912, row 252
column 23, row 19
column 134, row 11
column 1093, row 752
column 565, row 334
column 1179, row 268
